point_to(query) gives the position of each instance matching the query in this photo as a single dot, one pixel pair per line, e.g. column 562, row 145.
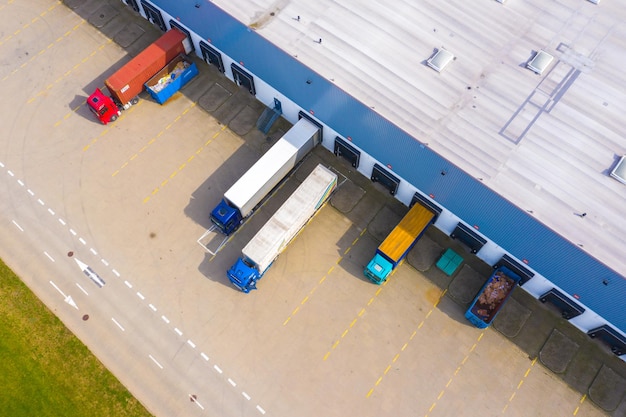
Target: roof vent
column 440, row 60
column 619, row 172
column 540, row 62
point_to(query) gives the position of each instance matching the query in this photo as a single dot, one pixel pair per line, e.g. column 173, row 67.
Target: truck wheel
column 134, row 101
column 113, row 118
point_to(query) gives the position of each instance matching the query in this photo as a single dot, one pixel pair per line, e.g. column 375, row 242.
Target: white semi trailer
column 259, row 254
column 241, row 199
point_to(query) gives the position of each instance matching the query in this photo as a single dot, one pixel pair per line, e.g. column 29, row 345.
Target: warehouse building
column 504, row 117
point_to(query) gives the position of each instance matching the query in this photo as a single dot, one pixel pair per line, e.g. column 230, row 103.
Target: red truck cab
column 103, row 107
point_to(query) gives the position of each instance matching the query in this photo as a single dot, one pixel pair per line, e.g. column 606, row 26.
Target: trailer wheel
column 134, row 101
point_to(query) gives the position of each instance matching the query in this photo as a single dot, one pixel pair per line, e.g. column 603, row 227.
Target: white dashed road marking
column 155, row 361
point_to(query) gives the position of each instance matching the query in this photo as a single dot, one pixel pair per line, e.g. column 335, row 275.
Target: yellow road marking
column 582, row 400
column 519, row 385
column 181, row 167
column 403, row 348
column 58, row 80
column 33, row 20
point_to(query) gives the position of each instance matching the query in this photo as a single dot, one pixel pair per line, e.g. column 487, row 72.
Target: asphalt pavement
column 130, row 200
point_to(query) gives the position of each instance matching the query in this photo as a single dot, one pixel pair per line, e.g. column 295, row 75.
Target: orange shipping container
column 128, row 81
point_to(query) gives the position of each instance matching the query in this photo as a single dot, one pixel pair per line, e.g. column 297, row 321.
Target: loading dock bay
column 317, row 338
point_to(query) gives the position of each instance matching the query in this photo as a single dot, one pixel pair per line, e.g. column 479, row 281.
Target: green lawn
column 44, row 369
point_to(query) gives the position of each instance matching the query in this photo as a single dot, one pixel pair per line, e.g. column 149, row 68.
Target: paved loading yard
column 317, row 338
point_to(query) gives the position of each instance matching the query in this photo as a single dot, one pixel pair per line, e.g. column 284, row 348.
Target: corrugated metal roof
column 524, row 174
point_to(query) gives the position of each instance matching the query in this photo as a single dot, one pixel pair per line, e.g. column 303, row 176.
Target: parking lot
column 317, row 338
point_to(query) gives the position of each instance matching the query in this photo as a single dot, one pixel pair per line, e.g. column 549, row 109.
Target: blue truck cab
column 226, row 218
column 378, row 269
column 244, row 275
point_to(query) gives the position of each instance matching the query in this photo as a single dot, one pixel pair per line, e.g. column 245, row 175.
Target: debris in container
column 169, row 77
column 493, row 295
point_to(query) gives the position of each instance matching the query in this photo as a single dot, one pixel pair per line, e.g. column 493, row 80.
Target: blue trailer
column 492, row 297
column 165, row 83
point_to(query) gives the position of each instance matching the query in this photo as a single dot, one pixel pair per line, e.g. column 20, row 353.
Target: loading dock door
column 524, row 273
column 566, row 307
column 466, row 235
column 320, row 134
column 189, row 46
column 347, row 151
column 211, row 56
column 243, row 79
column 420, row 199
column 153, row 15
column 133, row 4
column 381, row 175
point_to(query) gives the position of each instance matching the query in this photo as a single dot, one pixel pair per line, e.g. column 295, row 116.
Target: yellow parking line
column 180, row 168
column 403, row 348
column 105, row 131
column 32, row 21
column 582, row 400
column 519, row 385
column 48, row 47
column 306, row 298
column 153, row 139
column 361, row 313
column 65, row 75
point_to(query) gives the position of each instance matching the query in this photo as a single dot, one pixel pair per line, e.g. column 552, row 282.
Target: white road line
column 49, row 257
column 190, row 343
column 81, row 240
column 92, row 250
column 262, row 411
column 118, row 325
column 155, row 361
column 115, row 272
column 217, row 368
column 231, row 382
column 1, row 165
column 204, row 356
column 58, row 289
column 245, row 395
column 17, row 225
column 30, row 192
column 51, row 211
column 165, row 319
column 62, row 221
column 140, row 295
column 82, row 289
column 72, row 232
column 104, row 262
column 128, row 284
column 40, row 201
column 152, row 307
column 178, row 332
column 10, row 173
column 196, row 401
column 20, row 182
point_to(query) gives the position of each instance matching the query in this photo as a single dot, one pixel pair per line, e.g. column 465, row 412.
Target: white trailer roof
column 267, row 244
column 283, row 153
column 546, row 143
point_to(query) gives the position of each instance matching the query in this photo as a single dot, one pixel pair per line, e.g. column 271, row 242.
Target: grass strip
column 44, row 369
